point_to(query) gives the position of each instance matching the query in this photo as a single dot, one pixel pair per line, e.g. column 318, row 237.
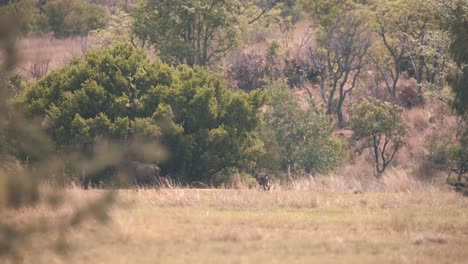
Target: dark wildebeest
column 128, row 172
column 144, row 174
column 263, row 180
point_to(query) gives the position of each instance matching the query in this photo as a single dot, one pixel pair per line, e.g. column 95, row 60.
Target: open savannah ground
column 420, row 225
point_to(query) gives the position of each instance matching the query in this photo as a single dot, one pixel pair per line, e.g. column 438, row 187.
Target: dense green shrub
column 299, row 137
column 119, row 94
column 380, row 125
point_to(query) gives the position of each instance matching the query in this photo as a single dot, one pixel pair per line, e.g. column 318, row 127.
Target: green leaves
column 194, row 32
column 373, row 117
column 75, row 17
column 458, row 27
column 119, row 94
column 380, row 124
column 303, row 134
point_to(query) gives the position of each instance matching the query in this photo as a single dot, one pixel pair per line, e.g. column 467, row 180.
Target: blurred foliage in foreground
column 24, row 186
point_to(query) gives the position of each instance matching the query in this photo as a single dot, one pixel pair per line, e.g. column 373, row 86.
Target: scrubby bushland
column 62, row 17
column 248, row 71
column 298, row 71
column 380, row 125
column 200, row 32
column 119, row 94
column 71, row 18
column 299, row 136
column 192, row 32
column 252, row 70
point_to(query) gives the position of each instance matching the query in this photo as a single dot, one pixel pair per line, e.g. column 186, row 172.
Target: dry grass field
column 293, row 225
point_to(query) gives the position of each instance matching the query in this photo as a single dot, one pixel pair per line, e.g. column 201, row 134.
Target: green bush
column 380, row 125
column 119, row 94
column 299, row 137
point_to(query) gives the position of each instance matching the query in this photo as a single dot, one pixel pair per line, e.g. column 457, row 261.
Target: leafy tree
column 343, row 42
column 302, row 137
column 404, row 28
column 258, row 8
column 196, row 32
column 120, row 94
column 380, row 125
column 62, row 17
column 458, row 27
column 193, row 32
column 118, row 29
column 73, row 17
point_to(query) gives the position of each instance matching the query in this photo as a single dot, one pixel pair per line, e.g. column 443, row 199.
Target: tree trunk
column 395, row 81
column 420, row 77
column 322, row 90
column 339, row 111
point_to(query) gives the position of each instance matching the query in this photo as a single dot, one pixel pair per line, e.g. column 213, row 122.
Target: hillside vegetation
column 351, row 115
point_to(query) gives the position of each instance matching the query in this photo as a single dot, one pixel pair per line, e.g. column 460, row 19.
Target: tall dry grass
column 392, row 180
column 428, row 129
column 281, row 226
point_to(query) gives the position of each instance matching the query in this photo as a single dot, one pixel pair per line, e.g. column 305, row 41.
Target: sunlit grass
column 282, row 226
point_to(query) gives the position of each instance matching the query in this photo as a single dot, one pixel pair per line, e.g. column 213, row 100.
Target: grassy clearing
column 281, row 226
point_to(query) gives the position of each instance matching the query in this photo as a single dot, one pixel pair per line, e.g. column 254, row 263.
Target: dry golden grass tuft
column 391, row 181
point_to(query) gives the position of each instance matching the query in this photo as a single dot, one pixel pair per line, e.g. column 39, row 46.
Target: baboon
column 263, row 179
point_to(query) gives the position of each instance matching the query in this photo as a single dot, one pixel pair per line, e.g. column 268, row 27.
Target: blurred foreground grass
column 248, row 226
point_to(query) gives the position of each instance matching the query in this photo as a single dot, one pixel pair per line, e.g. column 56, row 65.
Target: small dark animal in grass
column 263, row 180
column 461, row 182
